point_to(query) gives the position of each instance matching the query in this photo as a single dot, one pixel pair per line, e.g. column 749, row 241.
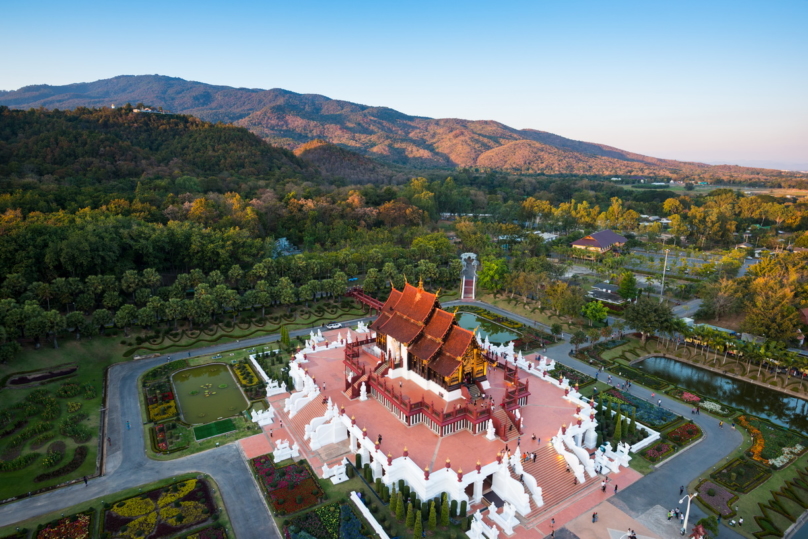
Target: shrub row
column 78, row 459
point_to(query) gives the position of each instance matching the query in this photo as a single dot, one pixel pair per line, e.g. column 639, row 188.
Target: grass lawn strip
column 214, row 429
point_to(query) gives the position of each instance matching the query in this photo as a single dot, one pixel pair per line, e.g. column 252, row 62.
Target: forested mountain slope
column 289, row 119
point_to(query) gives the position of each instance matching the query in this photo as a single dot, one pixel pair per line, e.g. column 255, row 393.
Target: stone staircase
column 358, row 385
column 558, row 485
column 297, row 425
column 502, row 417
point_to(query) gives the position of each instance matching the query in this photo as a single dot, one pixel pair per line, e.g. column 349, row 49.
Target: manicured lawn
column 213, row 429
column 92, row 356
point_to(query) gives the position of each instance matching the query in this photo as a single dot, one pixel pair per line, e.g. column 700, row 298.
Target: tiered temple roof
column 413, row 317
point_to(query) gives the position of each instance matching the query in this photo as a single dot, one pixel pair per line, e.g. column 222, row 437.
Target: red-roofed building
column 418, row 336
column 600, row 242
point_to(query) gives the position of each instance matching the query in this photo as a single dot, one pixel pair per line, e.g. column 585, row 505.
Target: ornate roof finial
column 421, row 283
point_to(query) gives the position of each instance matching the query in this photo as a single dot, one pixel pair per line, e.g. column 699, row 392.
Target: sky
column 709, row 81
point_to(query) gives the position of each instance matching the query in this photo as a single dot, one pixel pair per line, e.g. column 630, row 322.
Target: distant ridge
column 290, row 120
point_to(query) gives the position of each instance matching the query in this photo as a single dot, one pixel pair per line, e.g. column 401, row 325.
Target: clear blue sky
column 713, row 81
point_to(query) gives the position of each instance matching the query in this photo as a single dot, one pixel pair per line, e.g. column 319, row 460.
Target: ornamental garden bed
column 170, row 436
column 161, row 512
column 684, row 434
column 78, row 526
column 659, row 451
column 38, row 430
column 160, row 400
column 741, row 475
column 208, row 533
column 716, row 498
column 320, row 523
column 694, row 399
column 575, row 377
column 288, row 489
column 771, row 444
column 648, row 414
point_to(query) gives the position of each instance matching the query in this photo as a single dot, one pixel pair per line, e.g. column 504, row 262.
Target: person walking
column 740, row 521
column 670, row 514
column 720, row 424
column 85, row 480
column 128, row 426
column 594, row 517
column 615, row 489
column 681, row 490
column 659, row 403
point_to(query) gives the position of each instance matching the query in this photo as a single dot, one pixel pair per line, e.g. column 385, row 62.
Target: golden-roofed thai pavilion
column 416, row 335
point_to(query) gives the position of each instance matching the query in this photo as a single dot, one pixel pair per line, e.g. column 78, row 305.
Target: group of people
column 676, row 513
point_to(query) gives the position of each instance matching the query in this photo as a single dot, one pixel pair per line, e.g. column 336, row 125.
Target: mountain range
column 375, row 137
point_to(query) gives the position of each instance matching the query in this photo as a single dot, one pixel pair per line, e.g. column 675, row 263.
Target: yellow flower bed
column 182, row 490
column 134, row 507
column 247, row 379
column 73, row 407
column 141, row 527
column 158, row 412
column 757, row 440
column 192, row 512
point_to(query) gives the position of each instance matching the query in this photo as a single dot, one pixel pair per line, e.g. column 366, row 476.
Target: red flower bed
column 72, row 527
column 685, row 434
column 658, row 451
column 284, row 485
column 690, row 397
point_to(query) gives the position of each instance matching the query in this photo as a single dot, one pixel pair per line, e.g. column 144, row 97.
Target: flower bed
column 658, row 451
column 322, row 523
column 575, row 377
column 289, row 489
column 160, row 512
column 741, row 475
column 76, row 526
column 771, row 444
column 169, row 437
column 720, row 502
column 245, row 374
column 684, row 434
column 648, row 414
column 216, row 532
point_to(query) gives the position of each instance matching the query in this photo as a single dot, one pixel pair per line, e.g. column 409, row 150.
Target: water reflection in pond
column 761, row 401
column 496, row 334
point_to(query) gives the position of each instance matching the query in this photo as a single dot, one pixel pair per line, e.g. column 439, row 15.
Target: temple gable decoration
column 416, row 334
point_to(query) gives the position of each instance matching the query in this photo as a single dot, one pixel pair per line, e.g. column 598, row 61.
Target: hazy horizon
column 717, row 83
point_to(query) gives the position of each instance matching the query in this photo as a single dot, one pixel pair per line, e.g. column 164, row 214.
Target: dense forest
column 112, row 216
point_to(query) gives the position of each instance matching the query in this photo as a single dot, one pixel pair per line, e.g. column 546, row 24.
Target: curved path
column 127, row 464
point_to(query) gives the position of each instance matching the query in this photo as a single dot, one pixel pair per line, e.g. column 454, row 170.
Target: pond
column 207, row 393
column 777, row 407
column 496, row 334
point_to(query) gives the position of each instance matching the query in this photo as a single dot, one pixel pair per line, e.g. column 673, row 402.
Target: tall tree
column 647, row 316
